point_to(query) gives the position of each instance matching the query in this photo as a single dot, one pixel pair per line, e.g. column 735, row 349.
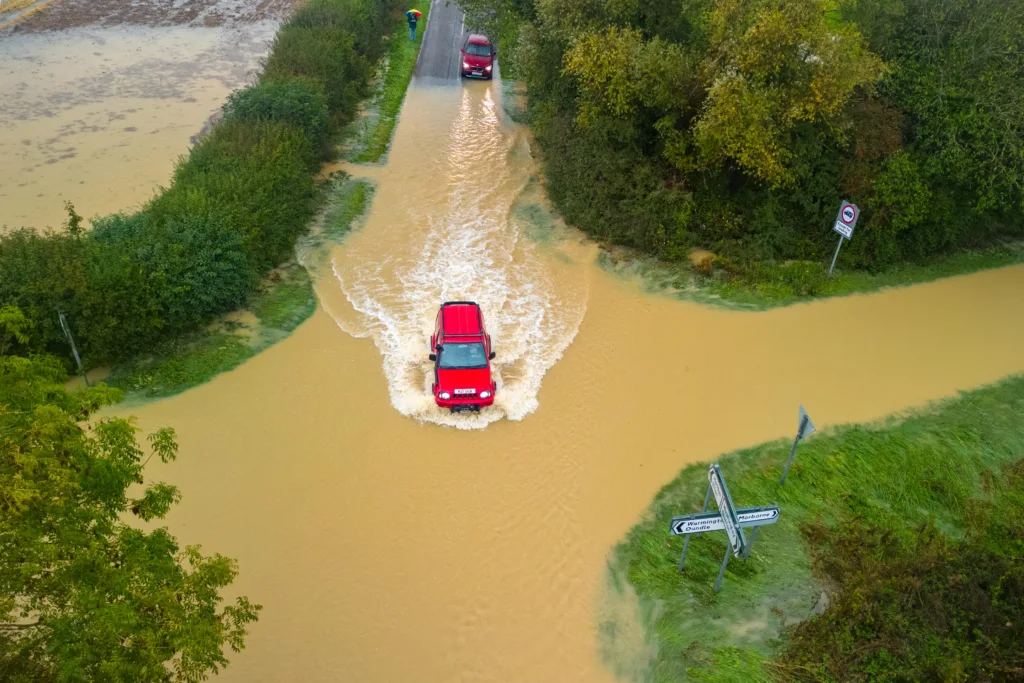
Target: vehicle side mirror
column 432, row 356
column 462, row 50
column 493, row 355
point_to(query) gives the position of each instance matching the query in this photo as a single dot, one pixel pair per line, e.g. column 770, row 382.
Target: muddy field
column 105, row 95
column 55, row 15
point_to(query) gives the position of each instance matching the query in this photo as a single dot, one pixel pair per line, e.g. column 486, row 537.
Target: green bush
column 253, row 176
column 299, row 102
column 326, row 56
column 365, row 20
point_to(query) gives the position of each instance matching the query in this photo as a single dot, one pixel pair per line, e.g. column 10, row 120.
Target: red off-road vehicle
column 461, row 350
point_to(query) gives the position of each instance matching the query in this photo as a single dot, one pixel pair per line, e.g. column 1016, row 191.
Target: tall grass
column 895, row 476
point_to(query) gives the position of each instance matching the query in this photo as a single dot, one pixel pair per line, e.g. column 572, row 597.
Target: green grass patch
column 896, row 475
column 181, row 363
column 382, row 112
column 771, row 285
column 347, row 203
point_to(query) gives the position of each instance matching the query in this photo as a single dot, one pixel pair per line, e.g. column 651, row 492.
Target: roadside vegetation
column 143, row 285
column 374, row 138
column 737, row 128
column 897, row 556
column 85, row 593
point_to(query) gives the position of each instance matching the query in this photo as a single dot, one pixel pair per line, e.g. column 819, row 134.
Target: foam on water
column 466, row 245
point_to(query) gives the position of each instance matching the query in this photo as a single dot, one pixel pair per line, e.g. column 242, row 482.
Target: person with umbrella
column 413, row 16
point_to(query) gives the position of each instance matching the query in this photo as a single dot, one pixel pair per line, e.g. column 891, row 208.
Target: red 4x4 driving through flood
column 461, row 350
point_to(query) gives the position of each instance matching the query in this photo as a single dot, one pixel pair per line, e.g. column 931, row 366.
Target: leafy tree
column 85, row 596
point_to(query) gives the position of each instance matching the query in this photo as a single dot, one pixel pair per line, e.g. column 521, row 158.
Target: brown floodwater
column 99, row 115
column 389, row 541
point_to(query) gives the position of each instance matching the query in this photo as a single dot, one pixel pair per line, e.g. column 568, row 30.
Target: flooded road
column 385, row 546
column 98, row 115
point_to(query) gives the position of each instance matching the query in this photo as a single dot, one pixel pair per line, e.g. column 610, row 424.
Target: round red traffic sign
column 848, row 214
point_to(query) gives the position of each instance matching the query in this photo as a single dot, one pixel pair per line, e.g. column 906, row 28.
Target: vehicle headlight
column 444, row 396
column 465, row 65
column 488, row 67
column 485, row 394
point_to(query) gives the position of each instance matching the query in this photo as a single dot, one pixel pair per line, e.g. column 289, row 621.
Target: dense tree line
column 85, row 596
column 739, row 125
column 233, row 210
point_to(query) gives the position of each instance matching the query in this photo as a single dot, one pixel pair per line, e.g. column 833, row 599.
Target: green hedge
column 931, row 148
column 233, row 210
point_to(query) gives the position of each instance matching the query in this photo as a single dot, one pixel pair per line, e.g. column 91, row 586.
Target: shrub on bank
column 299, row 102
column 256, row 177
column 235, row 205
column 326, row 56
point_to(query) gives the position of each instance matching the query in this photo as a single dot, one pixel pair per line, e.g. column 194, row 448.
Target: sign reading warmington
column 727, row 510
column 712, row 521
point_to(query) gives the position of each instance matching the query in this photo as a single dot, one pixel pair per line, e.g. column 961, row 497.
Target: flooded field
column 101, row 102
column 387, row 545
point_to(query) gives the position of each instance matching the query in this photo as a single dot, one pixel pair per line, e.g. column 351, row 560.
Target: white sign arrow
column 712, row 521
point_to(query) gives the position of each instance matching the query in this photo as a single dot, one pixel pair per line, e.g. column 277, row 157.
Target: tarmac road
column 445, row 33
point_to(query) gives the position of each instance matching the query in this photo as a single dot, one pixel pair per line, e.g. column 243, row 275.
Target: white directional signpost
column 727, row 518
column 846, row 221
column 712, row 521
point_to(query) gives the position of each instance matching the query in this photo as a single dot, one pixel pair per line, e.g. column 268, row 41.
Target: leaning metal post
column 835, row 256
column 792, row 452
column 721, row 572
column 686, row 543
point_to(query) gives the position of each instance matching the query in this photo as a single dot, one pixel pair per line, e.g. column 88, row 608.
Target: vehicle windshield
column 463, row 356
column 478, row 50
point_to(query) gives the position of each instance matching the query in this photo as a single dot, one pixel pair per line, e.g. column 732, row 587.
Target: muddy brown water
column 387, row 543
column 99, row 115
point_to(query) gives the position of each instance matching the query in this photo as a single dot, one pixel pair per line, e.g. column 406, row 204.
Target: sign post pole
column 806, row 427
column 686, row 543
column 835, row 256
column 844, row 225
column 71, row 340
column 721, row 571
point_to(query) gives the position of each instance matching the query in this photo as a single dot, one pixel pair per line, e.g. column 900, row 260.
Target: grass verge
column 773, row 285
column 378, row 124
column 896, row 475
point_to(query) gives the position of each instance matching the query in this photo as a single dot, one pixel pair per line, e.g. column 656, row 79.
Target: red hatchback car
column 478, row 57
column 461, row 350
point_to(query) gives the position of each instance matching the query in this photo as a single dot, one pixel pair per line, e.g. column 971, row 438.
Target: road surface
column 445, row 33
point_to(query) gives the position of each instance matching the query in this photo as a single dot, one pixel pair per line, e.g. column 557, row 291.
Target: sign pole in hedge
column 846, row 220
column 71, row 340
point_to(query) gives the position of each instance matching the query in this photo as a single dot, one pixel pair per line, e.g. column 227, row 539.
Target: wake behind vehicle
column 478, row 57
column 461, row 351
